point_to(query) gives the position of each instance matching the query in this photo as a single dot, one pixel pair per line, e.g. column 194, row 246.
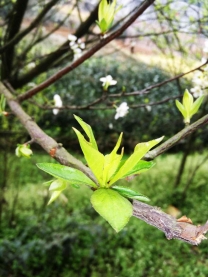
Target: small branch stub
column 182, row 228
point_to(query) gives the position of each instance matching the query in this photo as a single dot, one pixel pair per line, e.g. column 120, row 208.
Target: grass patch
column 68, row 238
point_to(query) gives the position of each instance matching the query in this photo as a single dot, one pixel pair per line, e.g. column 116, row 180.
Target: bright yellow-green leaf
column 113, row 207
column 88, row 130
column 140, row 150
column 181, row 108
column 140, row 167
column 71, row 175
column 58, row 184
column 197, row 105
column 54, row 195
column 94, row 158
column 112, row 161
column 106, row 14
column 129, row 193
column 187, row 101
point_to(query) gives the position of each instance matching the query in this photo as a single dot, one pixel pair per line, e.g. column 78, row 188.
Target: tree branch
column 146, row 90
column 86, row 55
column 14, row 24
column 52, row 57
column 14, row 40
column 176, row 138
column 41, row 138
column 182, row 229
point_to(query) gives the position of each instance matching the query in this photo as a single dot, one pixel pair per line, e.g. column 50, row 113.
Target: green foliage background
column 70, row 239
column 83, row 86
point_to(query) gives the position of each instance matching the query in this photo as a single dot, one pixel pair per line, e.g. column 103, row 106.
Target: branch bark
column 182, row 229
column 41, row 138
column 176, row 138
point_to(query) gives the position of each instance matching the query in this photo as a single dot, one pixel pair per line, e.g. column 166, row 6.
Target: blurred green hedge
column 82, row 86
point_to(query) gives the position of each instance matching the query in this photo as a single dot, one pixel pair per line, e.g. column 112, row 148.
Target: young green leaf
column 129, row 193
column 197, row 105
column 94, row 158
column 181, row 108
column 140, row 150
column 54, row 196
column 189, row 107
column 58, row 184
column 88, row 130
column 187, row 100
column 113, row 207
column 112, row 161
column 106, row 13
column 140, row 167
column 73, row 176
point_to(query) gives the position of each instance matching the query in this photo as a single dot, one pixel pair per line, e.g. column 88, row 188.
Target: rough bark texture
column 181, row 229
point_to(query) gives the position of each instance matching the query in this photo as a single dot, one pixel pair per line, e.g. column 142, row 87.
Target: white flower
column 31, row 85
column 31, row 65
column 205, row 49
column 122, row 110
column 73, row 45
column 76, row 46
column 203, row 60
column 57, row 103
column 200, row 79
column 72, row 37
column 108, row 81
column 110, row 126
column 82, row 45
column 156, row 78
column 197, row 91
column 149, row 108
column 77, row 53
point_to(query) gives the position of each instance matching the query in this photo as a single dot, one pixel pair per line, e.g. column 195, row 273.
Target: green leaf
column 54, row 195
column 139, row 168
column 196, row 105
column 58, row 184
column 94, row 158
column 103, row 25
column 106, row 14
column 113, row 207
column 187, row 101
column 73, row 176
column 181, row 108
column 140, row 150
column 88, row 130
column 112, row 161
column 129, row 193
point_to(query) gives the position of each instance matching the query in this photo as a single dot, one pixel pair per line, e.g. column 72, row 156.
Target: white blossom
column 57, row 103
column 203, row 60
column 200, row 79
column 122, row 110
column 149, row 108
column 31, row 65
column 73, row 45
column 108, row 81
column 205, row 49
column 197, row 91
column 72, row 37
column 110, row 126
column 76, row 46
column 77, row 53
column 156, row 78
